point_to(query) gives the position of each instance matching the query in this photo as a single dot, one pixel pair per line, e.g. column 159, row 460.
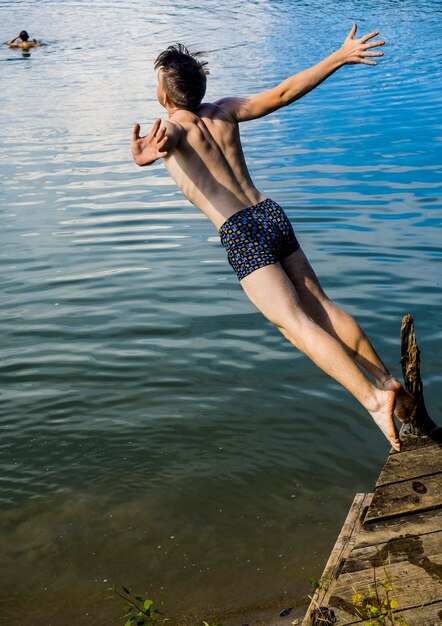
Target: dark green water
column 156, row 431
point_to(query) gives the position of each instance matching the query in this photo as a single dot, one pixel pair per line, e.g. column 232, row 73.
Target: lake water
column 157, row 432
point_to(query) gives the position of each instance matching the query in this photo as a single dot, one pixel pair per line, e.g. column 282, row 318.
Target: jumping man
column 201, row 149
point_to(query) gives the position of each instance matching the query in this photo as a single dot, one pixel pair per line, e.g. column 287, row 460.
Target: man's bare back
column 201, row 148
column 208, row 163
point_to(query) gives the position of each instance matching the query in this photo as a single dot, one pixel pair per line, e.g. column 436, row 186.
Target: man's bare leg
column 272, row 292
column 343, row 327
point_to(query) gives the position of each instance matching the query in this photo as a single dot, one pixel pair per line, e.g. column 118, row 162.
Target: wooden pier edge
column 338, row 555
column 394, row 534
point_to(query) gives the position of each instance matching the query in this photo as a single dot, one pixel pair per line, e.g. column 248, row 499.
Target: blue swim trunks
column 257, row 236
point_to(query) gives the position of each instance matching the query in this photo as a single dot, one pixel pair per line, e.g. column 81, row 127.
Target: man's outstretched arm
column 12, row 43
column 352, row 51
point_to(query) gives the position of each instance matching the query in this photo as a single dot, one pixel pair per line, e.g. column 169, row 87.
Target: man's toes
column 394, row 437
column 396, row 444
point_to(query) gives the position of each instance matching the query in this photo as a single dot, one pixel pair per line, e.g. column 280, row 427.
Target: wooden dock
column 386, row 566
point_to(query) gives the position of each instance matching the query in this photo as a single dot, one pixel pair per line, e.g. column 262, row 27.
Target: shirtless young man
column 24, row 44
column 201, row 148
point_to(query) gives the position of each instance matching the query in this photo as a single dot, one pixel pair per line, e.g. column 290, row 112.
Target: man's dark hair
column 184, row 75
column 24, row 35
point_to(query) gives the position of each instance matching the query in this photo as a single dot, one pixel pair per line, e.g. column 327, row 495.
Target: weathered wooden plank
column 405, row 497
column 429, row 615
column 426, row 615
column 406, row 548
column 412, row 586
column 341, row 549
column 420, row 523
column 415, row 463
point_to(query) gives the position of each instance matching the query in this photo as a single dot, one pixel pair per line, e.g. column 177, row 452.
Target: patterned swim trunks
column 257, row 236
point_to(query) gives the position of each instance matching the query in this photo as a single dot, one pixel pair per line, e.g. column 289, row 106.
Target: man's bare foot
column 384, row 418
column 405, row 407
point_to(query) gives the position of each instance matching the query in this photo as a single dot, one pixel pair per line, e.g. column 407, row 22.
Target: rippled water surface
column 157, row 432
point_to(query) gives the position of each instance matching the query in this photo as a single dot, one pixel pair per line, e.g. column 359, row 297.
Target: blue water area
column 157, row 431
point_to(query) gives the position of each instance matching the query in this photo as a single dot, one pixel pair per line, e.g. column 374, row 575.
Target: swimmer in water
column 201, row 149
column 24, row 44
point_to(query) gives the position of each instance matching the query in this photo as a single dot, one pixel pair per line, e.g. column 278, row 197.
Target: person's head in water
column 181, row 77
column 24, row 35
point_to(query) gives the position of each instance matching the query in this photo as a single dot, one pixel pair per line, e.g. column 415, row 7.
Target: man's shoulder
column 185, row 120
column 25, row 45
column 208, row 110
column 214, row 111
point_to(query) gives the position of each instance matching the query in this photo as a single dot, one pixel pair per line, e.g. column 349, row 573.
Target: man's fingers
column 155, row 127
column 136, row 132
column 352, row 33
column 162, row 143
column 368, row 62
column 162, row 154
column 374, row 44
column 369, row 36
column 373, row 54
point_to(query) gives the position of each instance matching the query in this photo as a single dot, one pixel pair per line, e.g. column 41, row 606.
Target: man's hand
column 146, row 150
column 355, row 50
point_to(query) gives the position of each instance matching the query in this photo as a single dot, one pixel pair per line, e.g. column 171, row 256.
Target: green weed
column 377, row 606
column 140, row 610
